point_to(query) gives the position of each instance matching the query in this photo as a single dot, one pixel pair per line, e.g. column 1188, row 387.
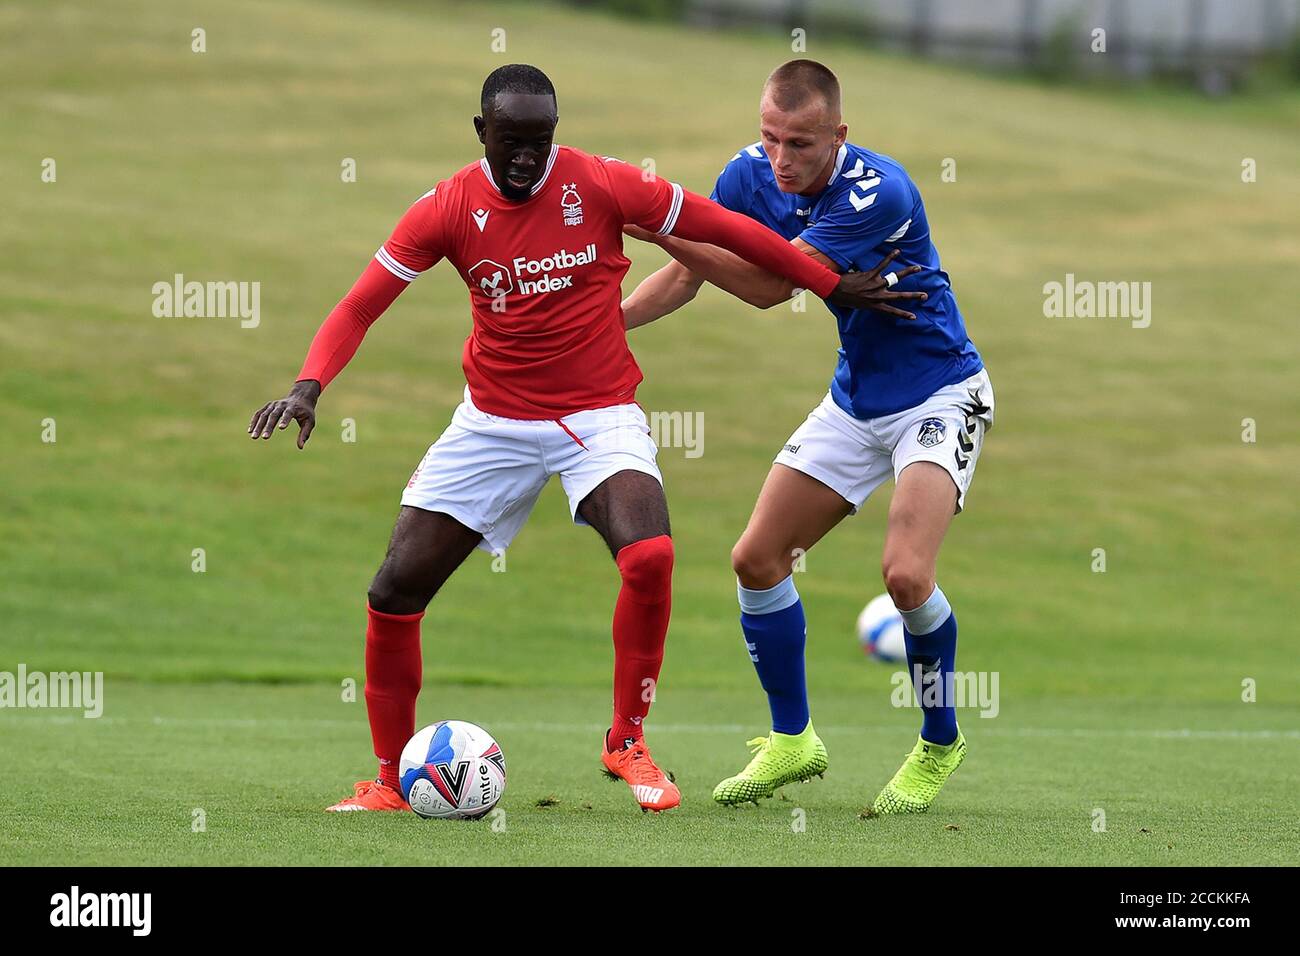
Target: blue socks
column 775, row 633
column 930, row 633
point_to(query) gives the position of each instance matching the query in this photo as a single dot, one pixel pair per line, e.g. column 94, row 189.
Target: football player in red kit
column 535, row 231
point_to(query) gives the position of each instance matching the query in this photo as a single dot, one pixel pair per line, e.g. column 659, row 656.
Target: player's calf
column 640, row 627
column 394, row 673
column 426, row 547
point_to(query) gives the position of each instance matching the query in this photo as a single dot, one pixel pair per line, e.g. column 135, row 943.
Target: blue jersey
column 869, row 207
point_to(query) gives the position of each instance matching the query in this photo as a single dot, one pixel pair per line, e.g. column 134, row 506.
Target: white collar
column 839, row 163
column 550, row 162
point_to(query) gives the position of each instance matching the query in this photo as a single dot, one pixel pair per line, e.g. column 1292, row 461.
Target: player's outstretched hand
column 299, row 405
column 871, row 290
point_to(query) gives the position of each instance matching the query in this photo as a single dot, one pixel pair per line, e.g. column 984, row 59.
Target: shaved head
column 514, row 78
column 794, row 85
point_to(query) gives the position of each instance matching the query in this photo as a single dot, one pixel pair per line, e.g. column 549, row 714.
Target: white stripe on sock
column 768, row 601
column 929, row 616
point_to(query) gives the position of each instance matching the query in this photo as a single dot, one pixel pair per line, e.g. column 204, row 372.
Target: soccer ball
column 452, row 770
column 880, row 630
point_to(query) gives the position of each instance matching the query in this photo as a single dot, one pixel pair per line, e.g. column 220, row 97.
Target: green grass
column 225, row 165
column 260, row 763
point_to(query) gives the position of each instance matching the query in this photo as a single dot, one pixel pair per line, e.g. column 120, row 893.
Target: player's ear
column 480, row 127
column 841, row 134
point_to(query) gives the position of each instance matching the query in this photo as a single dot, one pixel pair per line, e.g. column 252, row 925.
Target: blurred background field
column 1119, row 689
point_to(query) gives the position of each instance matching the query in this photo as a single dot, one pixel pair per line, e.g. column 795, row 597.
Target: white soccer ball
column 452, row 770
column 880, row 630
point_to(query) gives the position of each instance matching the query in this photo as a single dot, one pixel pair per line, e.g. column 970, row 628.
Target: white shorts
column 854, row 456
column 487, row 471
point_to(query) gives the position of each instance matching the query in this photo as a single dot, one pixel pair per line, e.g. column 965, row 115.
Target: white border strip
column 674, row 210
column 385, row 259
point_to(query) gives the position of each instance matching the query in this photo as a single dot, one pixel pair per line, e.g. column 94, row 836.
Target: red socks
column 394, row 672
column 640, row 625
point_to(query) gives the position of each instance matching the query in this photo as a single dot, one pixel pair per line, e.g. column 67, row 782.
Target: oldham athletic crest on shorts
column 933, row 431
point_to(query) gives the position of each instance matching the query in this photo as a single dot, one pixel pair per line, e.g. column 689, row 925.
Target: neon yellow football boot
column 778, row 759
column 919, row 780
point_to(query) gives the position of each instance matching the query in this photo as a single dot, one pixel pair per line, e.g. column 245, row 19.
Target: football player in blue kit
column 909, row 397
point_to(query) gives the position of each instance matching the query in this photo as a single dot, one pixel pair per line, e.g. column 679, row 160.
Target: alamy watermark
column 1084, row 299
column 64, row 690
column 666, row 429
column 977, row 690
column 683, row 430
column 129, row 910
column 208, row 300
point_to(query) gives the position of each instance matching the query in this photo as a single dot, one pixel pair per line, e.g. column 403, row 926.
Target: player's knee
column 389, row 595
column 908, row 582
column 756, row 568
column 646, row 566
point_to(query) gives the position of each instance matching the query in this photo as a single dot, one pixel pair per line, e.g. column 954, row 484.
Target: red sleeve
column 341, row 333
column 651, row 203
column 667, row 209
column 701, row 220
column 417, row 243
column 419, row 238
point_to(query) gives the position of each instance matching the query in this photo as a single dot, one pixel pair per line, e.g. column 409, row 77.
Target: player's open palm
column 298, row 406
column 871, row 290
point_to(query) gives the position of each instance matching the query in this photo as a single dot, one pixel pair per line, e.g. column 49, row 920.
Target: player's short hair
column 515, row 78
column 793, row 84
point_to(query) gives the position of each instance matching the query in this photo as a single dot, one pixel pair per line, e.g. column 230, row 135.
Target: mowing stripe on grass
column 1184, row 733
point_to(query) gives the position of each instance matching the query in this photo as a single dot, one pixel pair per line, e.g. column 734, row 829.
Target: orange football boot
column 633, row 764
column 371, row 795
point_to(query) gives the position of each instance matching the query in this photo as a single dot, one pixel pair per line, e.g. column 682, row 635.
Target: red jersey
column 544, row 277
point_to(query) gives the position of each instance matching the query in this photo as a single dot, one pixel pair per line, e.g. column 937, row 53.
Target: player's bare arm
column 703, row 221
column 665, row 291
column 763, row 289
column 706, row 262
